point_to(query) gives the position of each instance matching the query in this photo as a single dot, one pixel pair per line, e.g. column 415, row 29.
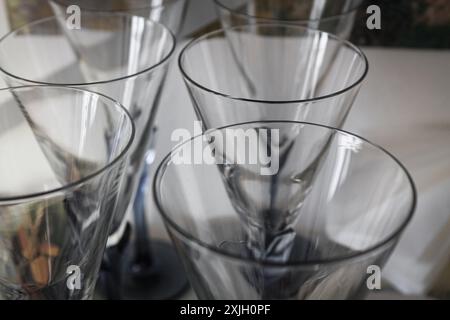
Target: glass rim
column 352, row 9
column 187, row 236
column 167, row 2
column 147, row 69
column 72, row 185
column 214, row 33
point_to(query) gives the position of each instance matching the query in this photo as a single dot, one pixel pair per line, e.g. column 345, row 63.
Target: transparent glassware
column 122, row 56
column 272, row 72
column 333, row 16
column 142, row 257
column 63, row 154
column 225, row 212
column 170, row 13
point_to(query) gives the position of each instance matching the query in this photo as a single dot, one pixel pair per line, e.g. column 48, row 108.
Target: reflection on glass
column 333, row 16
column 272, row 72
column 122, row 56
column 308, row 228
column 170, row 13
column 63, row 154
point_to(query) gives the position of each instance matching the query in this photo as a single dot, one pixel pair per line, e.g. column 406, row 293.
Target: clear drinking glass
column 272, row 72
column 282, row 210
column 63, row 154
column 141, row 259
column 170, row 13
column 333, row 16
column 122, row 56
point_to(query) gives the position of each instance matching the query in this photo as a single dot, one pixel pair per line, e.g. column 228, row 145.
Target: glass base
column 163, row 279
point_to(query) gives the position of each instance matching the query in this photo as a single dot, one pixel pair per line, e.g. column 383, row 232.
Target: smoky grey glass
column 331, row 207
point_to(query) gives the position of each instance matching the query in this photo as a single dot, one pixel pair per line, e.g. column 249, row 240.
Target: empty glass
column 139, row 259
column 63, row 154
column 119, row 55
column 272, row 72
column 282, row 210
column 333, row 16
column 170, row 13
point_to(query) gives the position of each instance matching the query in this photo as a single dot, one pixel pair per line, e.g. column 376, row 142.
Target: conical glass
column 283, row 210
column 333, row 16
column 63, row 155
column 272, row 72
column 170, row 13
column 122, row 56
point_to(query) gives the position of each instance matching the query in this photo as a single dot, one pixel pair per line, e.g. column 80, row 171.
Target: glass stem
column 142, row 245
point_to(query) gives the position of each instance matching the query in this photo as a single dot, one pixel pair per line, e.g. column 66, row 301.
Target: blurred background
column 406, row 23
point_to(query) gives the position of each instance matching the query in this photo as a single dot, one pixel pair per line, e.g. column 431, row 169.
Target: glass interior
column 334, row 195
column 63, row 154
column 107, row 47
column 277, row 62
column 56, row 137
column 293, row 10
